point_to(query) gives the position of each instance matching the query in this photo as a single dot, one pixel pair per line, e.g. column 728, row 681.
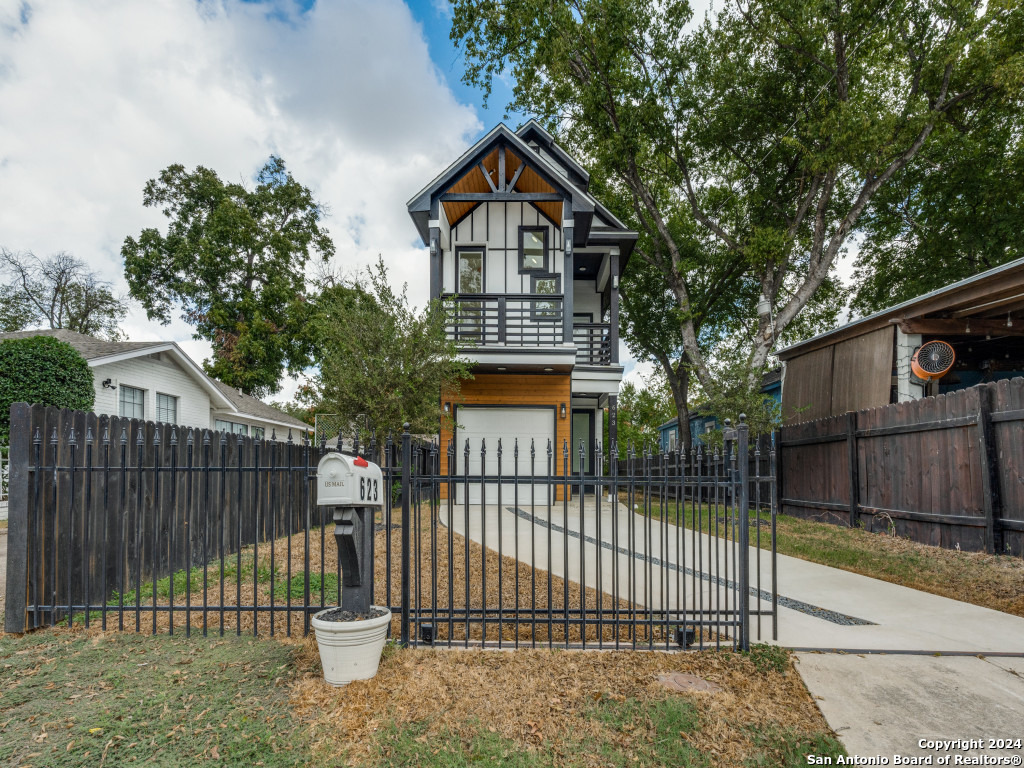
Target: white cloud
column 96, row 98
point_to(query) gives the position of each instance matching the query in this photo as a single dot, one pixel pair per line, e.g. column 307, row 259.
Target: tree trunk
column 679, row 382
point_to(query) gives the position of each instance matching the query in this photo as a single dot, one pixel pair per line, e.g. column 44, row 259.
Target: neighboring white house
column 156, row 381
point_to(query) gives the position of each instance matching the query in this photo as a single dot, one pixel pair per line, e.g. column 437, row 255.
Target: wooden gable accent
column 475, row 181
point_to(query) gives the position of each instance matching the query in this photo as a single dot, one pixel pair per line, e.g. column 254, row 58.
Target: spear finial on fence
column 224, row 438
column 174, row 435
column 533, row 450
column 466, row 452
column 355, row 440
column 37, row 438
column 290, row 440
column 565, row 448
column 124, row 434
column 206, row 437
column 106, row 435
column 273, row 435
column 72, row 440
column 89, row 436
column 139, row 439
column 53, row 437
column 156, row 436
column 549, row 449
column 515, row 449
column 189, row 439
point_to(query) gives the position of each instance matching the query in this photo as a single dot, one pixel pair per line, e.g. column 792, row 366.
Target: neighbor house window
column 230, row 426
column 533, row 249
column 166, row 408
column 547, row 285
column 131, row 402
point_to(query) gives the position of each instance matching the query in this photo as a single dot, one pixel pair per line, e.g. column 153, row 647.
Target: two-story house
column 533, row 262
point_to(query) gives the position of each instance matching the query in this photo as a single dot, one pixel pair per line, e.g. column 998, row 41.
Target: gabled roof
column 535, row 131
column 250, row 406
column 465, row 173
column 222, row 397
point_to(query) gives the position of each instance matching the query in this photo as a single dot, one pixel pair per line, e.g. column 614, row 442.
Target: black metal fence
column 149, row 527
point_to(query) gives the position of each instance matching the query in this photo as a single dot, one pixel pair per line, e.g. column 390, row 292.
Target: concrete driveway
column 880, row 673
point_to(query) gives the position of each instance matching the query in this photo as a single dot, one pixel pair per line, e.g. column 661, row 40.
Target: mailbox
column 349, row 481
column 354, row 488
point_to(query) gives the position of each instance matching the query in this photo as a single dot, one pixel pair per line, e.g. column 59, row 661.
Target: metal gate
column 153, row 528
column 666, row 553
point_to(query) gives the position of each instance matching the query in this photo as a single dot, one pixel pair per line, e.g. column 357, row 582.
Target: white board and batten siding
column 153, row 374
column 490, row 424
column 495, row 226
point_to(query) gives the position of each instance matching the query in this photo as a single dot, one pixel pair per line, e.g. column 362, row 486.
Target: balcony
column 524, row 320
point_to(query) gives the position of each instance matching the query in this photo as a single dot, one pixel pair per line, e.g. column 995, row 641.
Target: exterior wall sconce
column 562, row 411
column 107, row 384
column 447, row 407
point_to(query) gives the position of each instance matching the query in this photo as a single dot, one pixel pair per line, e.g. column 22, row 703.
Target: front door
column 582, row 429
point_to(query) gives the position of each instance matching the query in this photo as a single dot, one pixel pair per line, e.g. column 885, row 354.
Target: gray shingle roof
column 92, row 349
column 250, row 406
column 87, row 346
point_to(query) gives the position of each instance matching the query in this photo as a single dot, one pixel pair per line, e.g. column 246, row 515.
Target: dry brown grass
column 495, row 584
column 542, row 699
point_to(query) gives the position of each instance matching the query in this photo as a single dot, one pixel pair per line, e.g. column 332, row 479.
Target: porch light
column 447, row 407
column 548, row 370
column 562, row 412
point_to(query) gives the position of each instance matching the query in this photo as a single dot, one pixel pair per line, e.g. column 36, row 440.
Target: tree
column 57, row 292
column 955, row 213
column 235, row 260
column 381, row 358
column 43, row 370
column 764, row 136
column 641, row 410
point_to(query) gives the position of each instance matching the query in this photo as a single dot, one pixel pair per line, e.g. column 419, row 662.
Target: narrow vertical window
column 166, row 408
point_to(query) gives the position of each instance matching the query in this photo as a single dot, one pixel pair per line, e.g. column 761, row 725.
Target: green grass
column 72, row 699
column 991, row 581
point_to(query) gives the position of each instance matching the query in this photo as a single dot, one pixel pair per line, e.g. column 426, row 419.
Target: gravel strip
column 797, row 605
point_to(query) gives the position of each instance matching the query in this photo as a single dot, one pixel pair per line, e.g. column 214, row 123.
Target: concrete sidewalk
column 821, row 607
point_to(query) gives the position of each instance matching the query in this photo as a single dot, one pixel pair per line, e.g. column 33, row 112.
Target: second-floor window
column 166, row 408
column 470, row 270
column 548, row 285
column 533, row 249
column 131, row 402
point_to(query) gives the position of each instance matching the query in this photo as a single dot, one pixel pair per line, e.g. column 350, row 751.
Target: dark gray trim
column 487, row 176
column 482, row 249
column 580, row 315
column 515, row 177
column 567, row 270
column 16, row 607
column 613, row 425
column 598, row 368
column 435, row 252
column 590, row 448
column 547, row 249
column 613, row 330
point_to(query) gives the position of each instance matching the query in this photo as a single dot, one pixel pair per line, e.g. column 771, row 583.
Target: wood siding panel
column 807, row 394
column 862, row 372
column 540, row 390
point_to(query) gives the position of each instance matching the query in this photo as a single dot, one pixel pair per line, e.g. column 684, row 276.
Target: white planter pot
column 350, row 650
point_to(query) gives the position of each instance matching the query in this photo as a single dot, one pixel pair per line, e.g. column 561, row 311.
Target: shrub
column 43, row 370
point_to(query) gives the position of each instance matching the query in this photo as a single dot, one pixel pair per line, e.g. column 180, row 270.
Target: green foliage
column 57, row 292
column 235, row 260
column 381, row 358
column 640, row 413
column 954, row 212
column 769, row 658
column 747, row 152
column 42, row 370
column 787, row 748
column 160, row 701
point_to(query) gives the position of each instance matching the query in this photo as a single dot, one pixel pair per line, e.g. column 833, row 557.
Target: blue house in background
column 702, row 422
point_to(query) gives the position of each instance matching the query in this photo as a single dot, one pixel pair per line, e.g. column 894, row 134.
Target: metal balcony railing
column 524, row 320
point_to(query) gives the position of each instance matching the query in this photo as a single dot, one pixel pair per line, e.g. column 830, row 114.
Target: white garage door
column 488, row 424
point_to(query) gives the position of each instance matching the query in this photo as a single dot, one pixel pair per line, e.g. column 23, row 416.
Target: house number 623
column 369, row 490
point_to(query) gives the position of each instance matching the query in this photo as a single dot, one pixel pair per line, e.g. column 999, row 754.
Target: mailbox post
column 354, row 488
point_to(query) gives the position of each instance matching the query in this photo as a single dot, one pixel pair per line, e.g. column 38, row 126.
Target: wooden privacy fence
column 101, row 505
column 946, row 470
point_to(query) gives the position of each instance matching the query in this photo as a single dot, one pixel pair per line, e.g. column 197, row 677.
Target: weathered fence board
column 946, row 471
